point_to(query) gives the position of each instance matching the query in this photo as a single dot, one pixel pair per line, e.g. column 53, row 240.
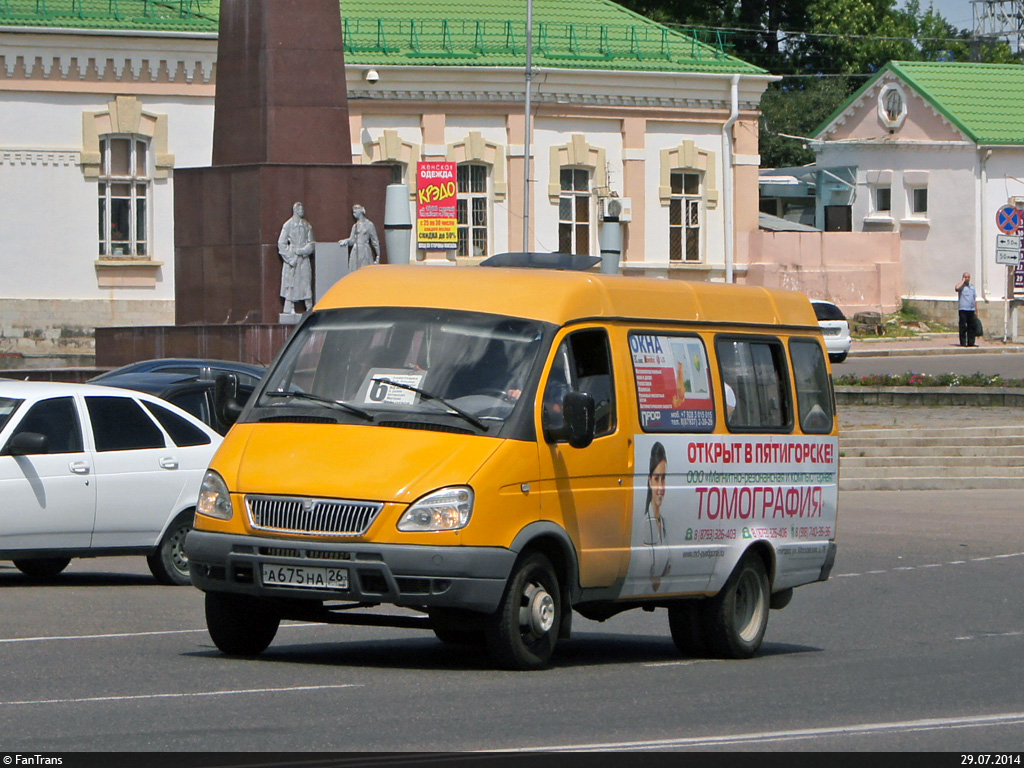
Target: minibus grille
column 330, row 517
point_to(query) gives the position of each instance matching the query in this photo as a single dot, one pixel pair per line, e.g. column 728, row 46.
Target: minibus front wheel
column 737, row 617
column 523, row 631
column 240, row 625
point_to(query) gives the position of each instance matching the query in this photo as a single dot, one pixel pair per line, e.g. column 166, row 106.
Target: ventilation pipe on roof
column 727, row 181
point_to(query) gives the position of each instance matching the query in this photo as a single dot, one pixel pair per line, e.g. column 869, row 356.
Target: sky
column 959, row 13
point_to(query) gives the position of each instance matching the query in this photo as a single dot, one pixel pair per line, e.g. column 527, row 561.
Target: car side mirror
column 28, row 444
column 580, row 425
column 226, row 407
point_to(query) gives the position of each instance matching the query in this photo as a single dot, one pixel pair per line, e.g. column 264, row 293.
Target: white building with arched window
column 102, row 101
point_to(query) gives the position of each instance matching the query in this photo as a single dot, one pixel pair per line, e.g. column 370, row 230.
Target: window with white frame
column 574, row 211
column 472, row 201
column 883, row 200
column 918, row 199
column 684, row 214
column 124, row 185
column 397, row 171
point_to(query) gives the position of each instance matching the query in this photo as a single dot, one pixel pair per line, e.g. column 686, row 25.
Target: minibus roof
column 562, row 297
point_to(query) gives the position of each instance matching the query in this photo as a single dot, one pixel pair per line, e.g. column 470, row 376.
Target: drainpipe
column 727, row 185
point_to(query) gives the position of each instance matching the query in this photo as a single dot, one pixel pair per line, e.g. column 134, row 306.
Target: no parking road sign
column 1008, row 220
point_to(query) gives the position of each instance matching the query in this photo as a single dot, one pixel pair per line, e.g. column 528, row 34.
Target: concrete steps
column 942, row 458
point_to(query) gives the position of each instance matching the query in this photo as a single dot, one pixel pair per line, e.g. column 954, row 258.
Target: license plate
column 309, row 578
column 831, row 331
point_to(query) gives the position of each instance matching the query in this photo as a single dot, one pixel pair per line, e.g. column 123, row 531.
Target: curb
column 929, row 351
column 931, row 396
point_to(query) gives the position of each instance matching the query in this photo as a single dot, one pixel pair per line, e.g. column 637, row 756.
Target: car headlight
column 214, row 498
column 447, row 509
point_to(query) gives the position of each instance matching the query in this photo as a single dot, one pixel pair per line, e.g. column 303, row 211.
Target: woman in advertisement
column 654, row 532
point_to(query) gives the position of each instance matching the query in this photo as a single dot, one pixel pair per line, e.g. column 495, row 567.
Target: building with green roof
column 938, row 149
column 103, row 99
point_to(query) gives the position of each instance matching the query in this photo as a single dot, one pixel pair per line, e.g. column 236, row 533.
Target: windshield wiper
column 431, row 396
column 317, row 399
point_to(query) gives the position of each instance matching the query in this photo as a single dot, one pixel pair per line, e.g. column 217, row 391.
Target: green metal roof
column 572, row 34
column 118, row 15
column 982, row 100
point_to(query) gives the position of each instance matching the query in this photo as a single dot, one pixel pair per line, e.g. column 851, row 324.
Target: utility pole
column 526, row 139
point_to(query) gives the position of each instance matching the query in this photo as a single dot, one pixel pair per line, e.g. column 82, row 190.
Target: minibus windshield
column 396, row 363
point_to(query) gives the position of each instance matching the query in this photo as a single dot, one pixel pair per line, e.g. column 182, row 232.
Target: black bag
column 979, row 329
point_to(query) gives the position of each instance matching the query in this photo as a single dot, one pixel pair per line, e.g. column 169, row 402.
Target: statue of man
column 363, row 245
column 296, row 246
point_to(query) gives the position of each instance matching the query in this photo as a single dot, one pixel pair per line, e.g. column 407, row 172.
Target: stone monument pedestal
column 281, row 135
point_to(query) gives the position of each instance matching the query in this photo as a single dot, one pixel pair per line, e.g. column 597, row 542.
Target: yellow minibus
column 490, row 450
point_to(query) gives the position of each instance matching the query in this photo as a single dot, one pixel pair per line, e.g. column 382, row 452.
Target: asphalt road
column 1008, row 365
column 914, row 644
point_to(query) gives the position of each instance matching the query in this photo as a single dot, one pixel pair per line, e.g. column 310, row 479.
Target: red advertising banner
column 437, row 225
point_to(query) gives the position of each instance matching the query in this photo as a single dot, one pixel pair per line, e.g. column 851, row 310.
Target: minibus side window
column 673, row 382
column 754, row 369
column 582, row 364
column 813, row 396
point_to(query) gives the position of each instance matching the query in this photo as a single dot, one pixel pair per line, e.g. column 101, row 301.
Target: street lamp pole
column 526, row 141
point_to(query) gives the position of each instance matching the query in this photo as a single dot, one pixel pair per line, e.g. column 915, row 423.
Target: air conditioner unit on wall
column 616, row 209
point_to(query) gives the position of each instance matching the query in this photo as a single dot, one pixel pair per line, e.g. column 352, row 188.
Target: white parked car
column 89, row 471
column 835, row 327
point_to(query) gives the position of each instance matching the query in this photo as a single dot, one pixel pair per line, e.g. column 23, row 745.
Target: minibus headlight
column 445, row 510
column 214, row 499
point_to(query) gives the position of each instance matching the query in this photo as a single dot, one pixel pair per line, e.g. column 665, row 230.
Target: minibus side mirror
column 28, row 444
column 226, row 407
column 579, row 408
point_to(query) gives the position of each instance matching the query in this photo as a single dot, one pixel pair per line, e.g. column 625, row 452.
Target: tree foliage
column 824, row 49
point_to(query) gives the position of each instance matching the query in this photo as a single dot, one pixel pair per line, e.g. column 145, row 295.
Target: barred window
column 574, row 211
column 124, row 185
column 473, row 205
column 684, row 215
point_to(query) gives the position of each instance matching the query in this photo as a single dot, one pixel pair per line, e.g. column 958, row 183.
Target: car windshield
column 8, row 405
column 394, row 363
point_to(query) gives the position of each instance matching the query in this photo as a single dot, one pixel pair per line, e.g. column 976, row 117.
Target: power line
column 792, row 33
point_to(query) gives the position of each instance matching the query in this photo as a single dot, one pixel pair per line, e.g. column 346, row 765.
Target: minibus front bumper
column 472, row 578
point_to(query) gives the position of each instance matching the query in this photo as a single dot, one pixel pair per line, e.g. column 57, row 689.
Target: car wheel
column 523, row 631
column 169, row 564
column 838, row 357
column 687, row 622
column 42, row 568
column 240, row 625
column 738, row 615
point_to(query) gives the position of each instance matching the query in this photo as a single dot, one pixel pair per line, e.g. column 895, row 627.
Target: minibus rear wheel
column 240, row 625
column 738, row 615
column 523, row 631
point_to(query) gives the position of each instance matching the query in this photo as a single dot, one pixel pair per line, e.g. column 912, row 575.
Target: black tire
column 454, row 627
column 522, row 633
column 687, row 621
column 169, row 564
column 43, row 567
column 839, row 357
column 738, row 615
column 240, row 625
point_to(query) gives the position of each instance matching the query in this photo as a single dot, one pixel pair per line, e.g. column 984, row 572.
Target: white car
column 89, row 471
column 835, row 327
